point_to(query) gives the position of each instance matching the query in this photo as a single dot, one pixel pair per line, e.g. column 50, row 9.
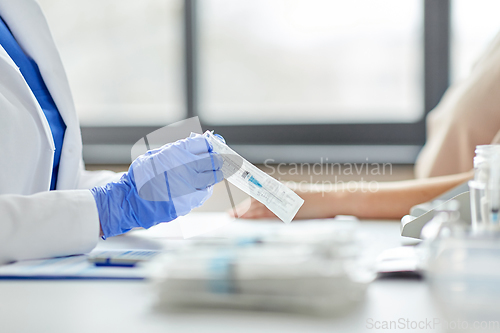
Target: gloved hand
column 159, row 186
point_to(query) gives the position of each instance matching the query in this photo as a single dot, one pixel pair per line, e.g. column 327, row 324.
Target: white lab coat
column 34, row 222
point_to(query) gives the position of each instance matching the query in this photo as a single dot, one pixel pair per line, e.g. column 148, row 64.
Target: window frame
column 436, row 58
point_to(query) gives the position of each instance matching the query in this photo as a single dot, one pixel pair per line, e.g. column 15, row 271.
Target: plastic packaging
column 274, row 195
column 317, row 272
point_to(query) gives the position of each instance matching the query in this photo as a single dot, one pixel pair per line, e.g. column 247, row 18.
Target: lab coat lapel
column 29, row 27
column 25, row 134
column 5, row 12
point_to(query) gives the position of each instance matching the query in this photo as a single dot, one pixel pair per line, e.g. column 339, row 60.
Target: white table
column 128, row 306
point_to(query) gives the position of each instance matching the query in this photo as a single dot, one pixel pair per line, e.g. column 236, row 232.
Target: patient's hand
column 316, row 206
column 252, row 209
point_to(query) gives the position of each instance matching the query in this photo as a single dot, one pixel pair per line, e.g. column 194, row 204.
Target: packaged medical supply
column 321, row 272
column 274, row 195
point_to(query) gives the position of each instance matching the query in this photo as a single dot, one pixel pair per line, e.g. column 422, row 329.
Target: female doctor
column 41, row 151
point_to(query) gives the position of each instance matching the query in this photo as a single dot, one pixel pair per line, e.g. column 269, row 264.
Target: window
column 310, row 61
column 474, row 25
column 123, row 59
column 274, row 72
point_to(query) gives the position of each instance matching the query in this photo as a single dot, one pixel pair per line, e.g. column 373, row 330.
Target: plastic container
column 484, row 154
column 485, row 189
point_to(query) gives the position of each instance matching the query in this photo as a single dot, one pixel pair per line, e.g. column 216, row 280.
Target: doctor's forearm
column 390, row 200
column 47, row 224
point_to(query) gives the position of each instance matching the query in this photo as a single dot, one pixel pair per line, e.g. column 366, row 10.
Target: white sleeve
column 47, row 224
column 89, row 179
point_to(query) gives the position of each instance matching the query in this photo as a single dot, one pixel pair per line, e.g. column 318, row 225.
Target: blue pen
column 121, row 258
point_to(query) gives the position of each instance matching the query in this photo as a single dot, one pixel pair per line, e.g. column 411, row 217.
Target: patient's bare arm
column 390, row 200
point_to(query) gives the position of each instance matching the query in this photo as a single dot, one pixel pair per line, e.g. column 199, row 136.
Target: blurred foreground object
column 485, row 189
column 464, row 276
column 462, row 267
column 293, row 269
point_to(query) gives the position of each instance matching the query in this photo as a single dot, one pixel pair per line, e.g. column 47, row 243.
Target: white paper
column 74, row 267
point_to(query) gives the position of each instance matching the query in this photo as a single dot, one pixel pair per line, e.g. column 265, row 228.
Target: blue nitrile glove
column 160, row 186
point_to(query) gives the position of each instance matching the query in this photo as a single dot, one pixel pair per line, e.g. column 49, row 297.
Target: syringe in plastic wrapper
column 278, row 198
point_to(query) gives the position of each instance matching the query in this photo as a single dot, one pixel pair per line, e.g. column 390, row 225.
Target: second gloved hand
column 160, row 186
